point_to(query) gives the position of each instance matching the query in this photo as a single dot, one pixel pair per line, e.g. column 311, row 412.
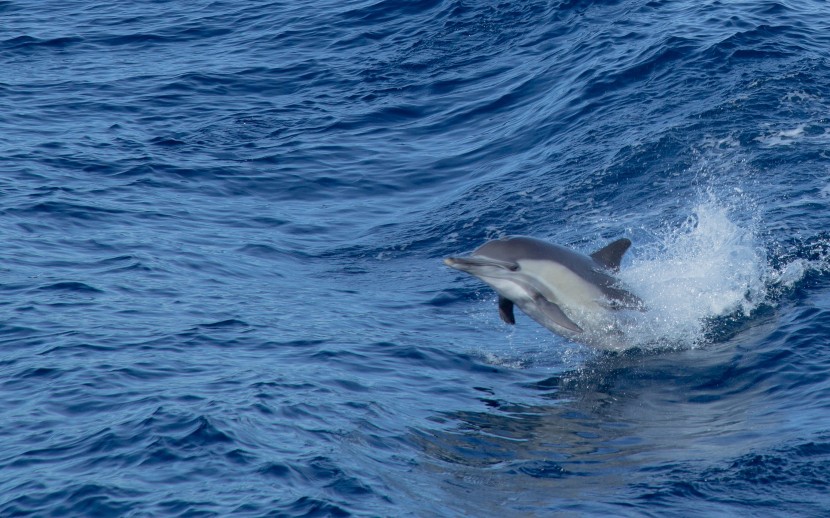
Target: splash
column 701, row 280
column 708, row 267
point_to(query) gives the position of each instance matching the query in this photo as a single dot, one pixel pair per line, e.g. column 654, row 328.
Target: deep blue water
column 223, row 222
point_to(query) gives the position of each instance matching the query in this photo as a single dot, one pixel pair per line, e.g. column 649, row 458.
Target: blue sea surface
column 221, row 286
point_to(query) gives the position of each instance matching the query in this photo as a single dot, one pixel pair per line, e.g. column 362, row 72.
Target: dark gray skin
column 500, row 264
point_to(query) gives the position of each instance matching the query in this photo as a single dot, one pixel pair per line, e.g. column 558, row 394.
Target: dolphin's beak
column 452, row 262
column 465, row 264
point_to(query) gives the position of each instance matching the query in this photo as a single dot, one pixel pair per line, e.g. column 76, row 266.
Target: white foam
column 707, row 267
column 791, row 273
column 782, row 137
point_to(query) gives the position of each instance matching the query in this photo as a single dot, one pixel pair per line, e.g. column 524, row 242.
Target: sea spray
column 705, row 268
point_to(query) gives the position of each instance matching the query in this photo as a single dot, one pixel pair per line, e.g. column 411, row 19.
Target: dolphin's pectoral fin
column 611, row 255
column 506, row 310
column 555, row 313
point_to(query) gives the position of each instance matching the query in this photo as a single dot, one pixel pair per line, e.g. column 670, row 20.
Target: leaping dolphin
column 567, row 292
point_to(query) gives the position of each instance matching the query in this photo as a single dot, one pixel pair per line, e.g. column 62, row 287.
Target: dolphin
column 567, row 292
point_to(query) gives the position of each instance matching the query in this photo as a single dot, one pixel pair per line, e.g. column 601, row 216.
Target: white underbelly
column 562, row 286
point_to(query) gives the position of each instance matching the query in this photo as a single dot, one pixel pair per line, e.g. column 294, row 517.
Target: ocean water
column 221, row 287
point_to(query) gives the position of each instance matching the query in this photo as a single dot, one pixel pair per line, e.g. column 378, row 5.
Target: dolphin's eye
column 513, row 267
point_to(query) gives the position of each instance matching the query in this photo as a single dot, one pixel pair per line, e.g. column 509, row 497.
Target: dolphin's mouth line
column 461, row 263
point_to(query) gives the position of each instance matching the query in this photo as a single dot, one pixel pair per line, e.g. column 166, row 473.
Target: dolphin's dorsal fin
column 506, row 310
column 611, row 255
